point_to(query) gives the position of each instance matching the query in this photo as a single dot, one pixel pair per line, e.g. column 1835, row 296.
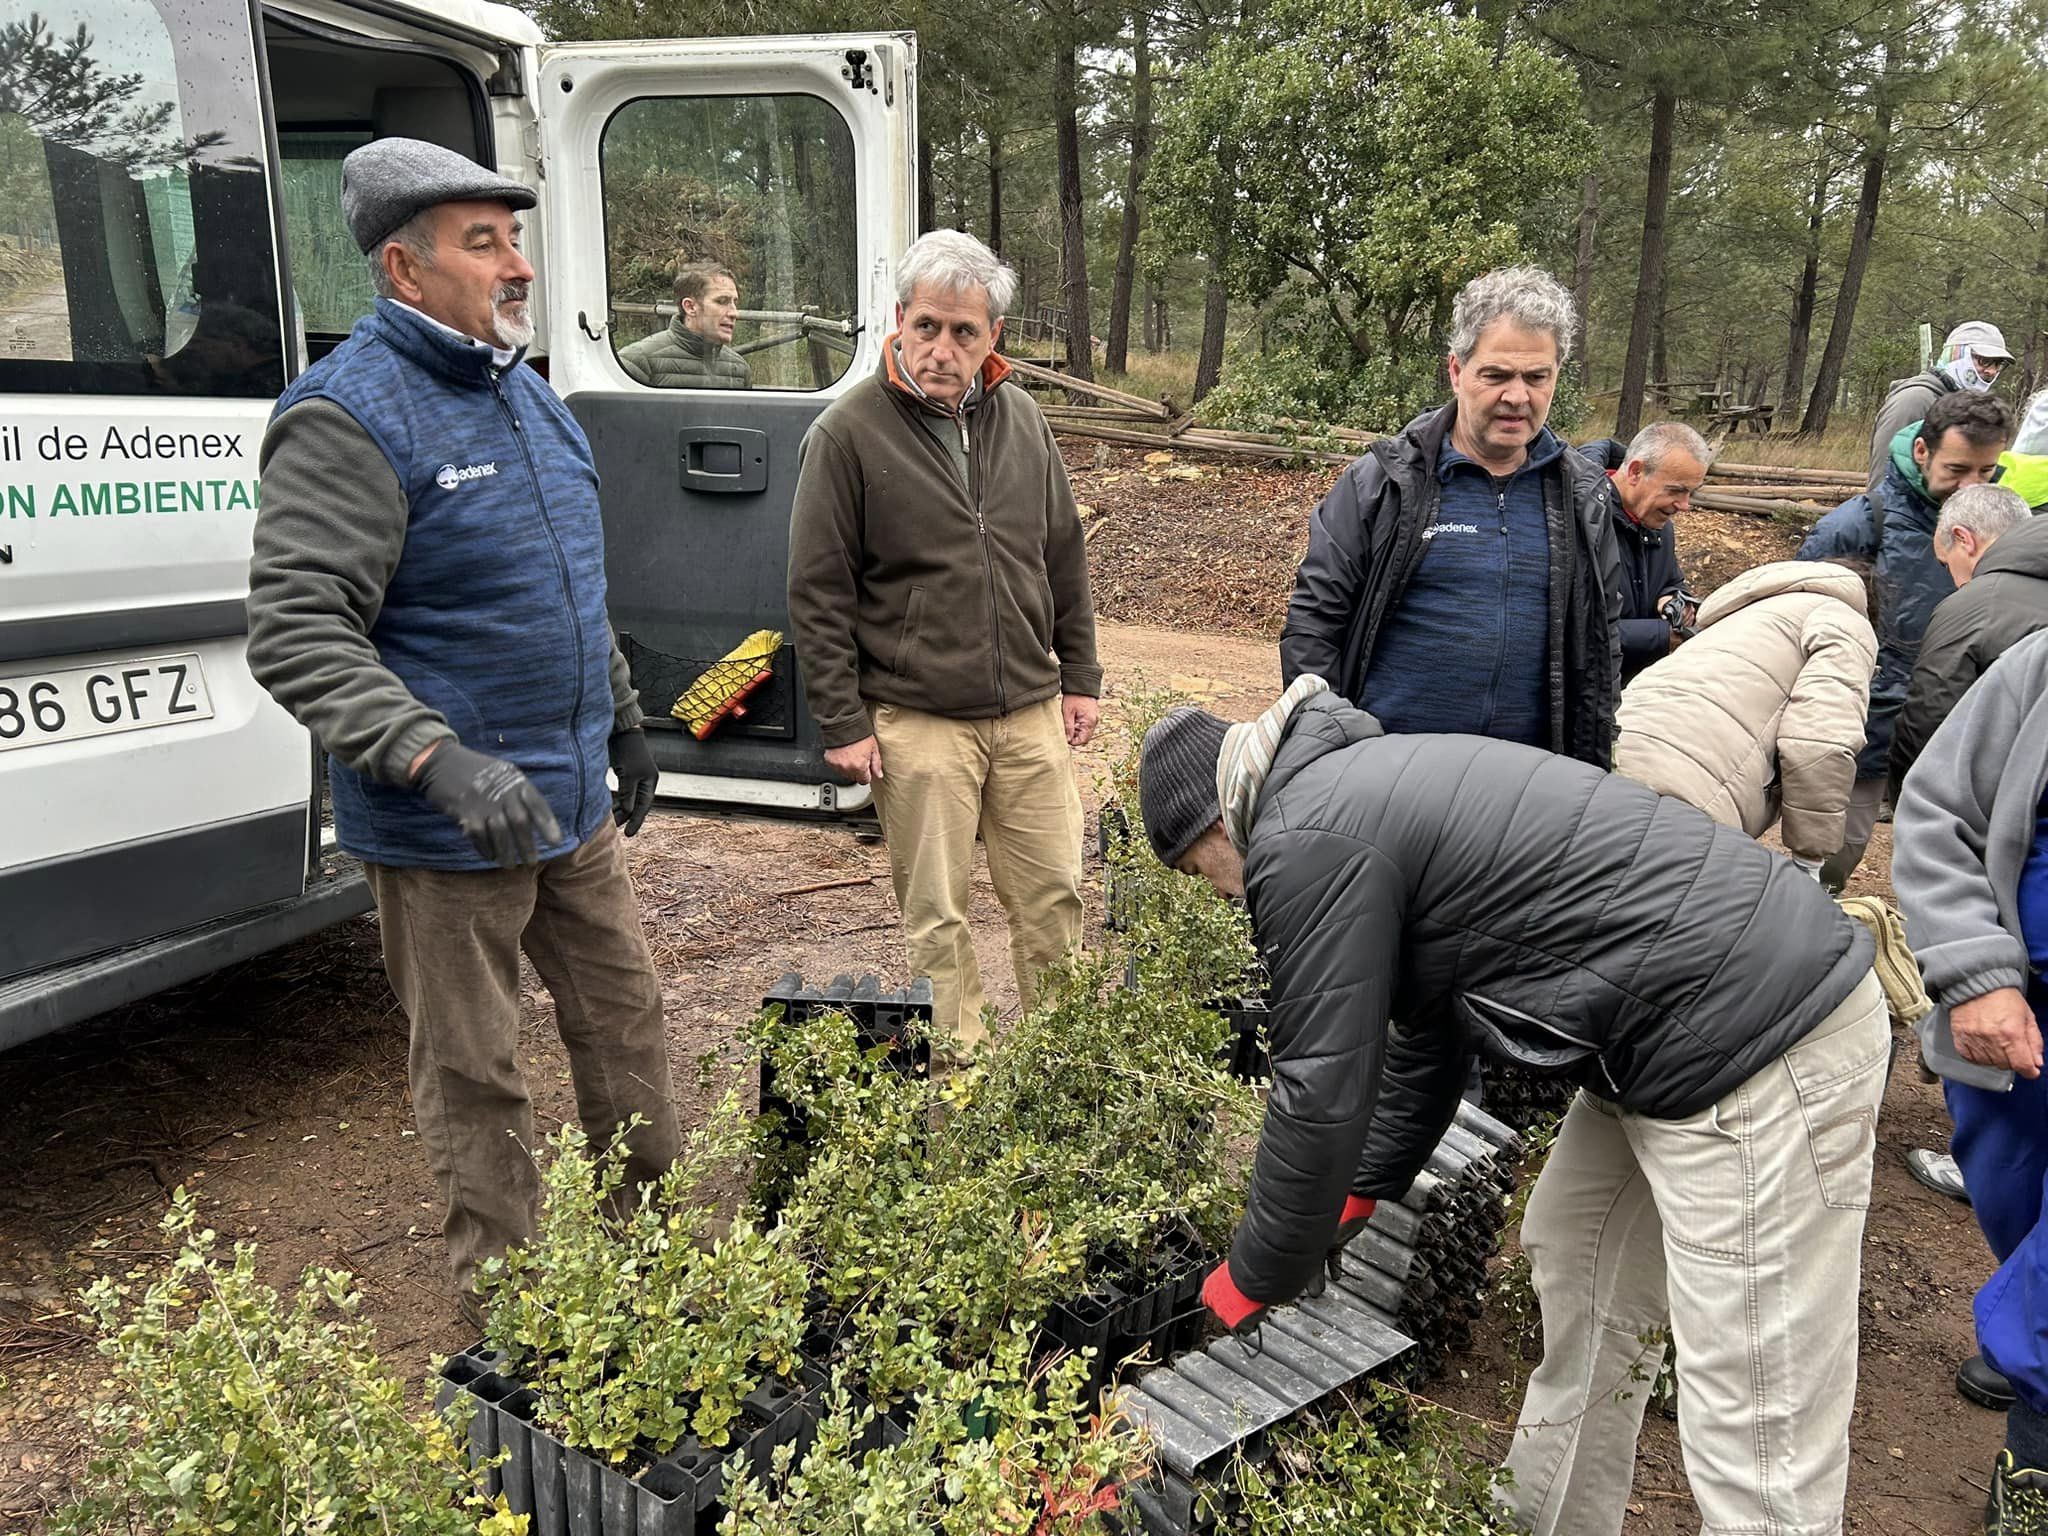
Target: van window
column 135, row 226
column 330, row 278
column 751, row 201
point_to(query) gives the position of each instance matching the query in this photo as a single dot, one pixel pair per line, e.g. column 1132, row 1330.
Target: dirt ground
column 1196, row 544
column 277, row 1090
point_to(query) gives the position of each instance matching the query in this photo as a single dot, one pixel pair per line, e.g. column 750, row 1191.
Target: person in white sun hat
column 1972, row 357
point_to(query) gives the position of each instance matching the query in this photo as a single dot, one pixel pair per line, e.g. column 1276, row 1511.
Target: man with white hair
column 938, row 588
column 1656, row 475
column 1972, row 357
column 1464, row 575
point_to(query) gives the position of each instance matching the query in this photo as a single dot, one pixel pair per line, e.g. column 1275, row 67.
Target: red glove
column 1356, row 1214
column 1221, row 1296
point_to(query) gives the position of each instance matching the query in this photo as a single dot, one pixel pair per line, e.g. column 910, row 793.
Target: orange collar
column 994, row 369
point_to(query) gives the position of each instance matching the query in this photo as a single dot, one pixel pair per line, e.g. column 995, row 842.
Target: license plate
column 41, row 707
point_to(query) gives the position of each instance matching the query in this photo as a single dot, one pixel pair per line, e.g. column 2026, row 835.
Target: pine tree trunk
column 1803, row 300
column 1649, row 305
column 1066, row 111
column 1582, row 273
column 994, row 133
column 1115, row 354
column 1827, row 382
column 1660, row 360
column 2031, row 359
column 927, row 208
column 1215, row 312
column 1151, row 314
column 960, row 180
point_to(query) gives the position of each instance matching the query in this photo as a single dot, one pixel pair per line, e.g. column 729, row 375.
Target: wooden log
column 1788, row 472
column 1094, row 413
column 1721, row 501
column 1790, row 490
column 1335, row 434
column 1192, row 442
column 1050, row 379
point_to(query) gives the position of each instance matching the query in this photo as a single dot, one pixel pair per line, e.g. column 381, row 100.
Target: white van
column 172, row 251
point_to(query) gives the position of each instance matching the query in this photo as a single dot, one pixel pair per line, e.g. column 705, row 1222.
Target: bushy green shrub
column 1368, row 1461
column 233, row 1409
column 1001, row 1447
column 628, row 1324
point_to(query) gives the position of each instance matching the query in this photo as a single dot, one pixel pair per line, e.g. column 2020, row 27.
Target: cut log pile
column 1760, row 490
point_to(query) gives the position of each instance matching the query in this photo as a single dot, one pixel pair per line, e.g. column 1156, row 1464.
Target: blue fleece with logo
column 495, row 614
column 1466, row 647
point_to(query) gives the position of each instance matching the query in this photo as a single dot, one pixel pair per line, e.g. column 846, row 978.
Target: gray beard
column 512, row 334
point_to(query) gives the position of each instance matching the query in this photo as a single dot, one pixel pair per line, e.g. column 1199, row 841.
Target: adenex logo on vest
column 448, row 476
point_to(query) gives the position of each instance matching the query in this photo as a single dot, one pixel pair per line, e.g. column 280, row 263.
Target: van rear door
column 788, row 163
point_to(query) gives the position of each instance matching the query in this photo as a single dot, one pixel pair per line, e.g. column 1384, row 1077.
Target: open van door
column 790, row 162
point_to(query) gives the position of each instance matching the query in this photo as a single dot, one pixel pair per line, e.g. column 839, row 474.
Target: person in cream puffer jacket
column 1759, row 717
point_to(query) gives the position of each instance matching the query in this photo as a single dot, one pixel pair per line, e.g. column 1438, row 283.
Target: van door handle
column 723, row 460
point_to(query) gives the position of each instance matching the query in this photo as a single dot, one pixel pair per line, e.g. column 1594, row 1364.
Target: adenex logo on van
column 448, row 476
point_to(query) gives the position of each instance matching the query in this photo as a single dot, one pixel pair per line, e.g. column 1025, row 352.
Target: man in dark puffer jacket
column 1420, row 898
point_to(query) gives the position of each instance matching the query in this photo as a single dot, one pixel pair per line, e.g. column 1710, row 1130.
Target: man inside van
column 696, row 351
column 428, row 597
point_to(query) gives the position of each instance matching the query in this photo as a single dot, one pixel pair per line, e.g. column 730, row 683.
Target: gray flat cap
column 387, row 181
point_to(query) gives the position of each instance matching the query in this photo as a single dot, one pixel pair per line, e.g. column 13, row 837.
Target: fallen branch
column 1721, row 501
column 1053, row 379
column 826, row 885
column 1205, row 442
column 1845, row 477
column 1097, row 413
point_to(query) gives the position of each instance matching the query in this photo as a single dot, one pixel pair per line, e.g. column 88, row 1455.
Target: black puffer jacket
column 1368, row 536
column 2003, row 602
column 1494, row 897
column 1649, row 571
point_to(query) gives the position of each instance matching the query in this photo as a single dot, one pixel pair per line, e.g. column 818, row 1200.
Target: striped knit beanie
column 1177, row 780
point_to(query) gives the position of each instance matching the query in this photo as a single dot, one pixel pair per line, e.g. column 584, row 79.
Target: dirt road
column 277, row 1091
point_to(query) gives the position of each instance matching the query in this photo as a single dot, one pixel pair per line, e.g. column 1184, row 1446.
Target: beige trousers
column 1740, row 1228
column 1010, row 780
column 451, row 947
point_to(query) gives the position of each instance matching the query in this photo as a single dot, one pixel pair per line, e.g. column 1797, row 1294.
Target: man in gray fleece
column 1970, row 864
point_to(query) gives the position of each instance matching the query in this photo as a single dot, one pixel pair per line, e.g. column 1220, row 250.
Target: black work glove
column 633, row 762
column 500, row 812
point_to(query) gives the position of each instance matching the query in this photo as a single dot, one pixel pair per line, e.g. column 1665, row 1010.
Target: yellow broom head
column 720, row 687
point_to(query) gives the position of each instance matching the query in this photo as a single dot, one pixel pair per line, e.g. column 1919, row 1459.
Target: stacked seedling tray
column 1399, row 1297
column 568, row 1492
column 1150, row 1317
column 1521, row 1098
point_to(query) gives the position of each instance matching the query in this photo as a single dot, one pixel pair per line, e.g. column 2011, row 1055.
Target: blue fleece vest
column 495, row 615
column 1466, row 649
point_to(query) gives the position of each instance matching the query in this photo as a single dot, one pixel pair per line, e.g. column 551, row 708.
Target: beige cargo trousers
column 1010, row 781
column 1740, row 1229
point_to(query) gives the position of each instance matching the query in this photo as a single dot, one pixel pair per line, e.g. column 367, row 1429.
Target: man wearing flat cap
column 428, row 597
column 1420, row 898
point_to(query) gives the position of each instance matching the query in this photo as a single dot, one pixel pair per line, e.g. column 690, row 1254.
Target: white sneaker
column 1938, row 1171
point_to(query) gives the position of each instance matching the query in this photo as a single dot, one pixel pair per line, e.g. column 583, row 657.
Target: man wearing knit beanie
column 1418, row 899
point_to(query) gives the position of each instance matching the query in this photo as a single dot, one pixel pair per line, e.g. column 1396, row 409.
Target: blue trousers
column 2001, row 1144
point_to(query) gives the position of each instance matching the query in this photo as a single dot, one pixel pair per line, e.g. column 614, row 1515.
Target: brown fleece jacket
column 908, row 587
